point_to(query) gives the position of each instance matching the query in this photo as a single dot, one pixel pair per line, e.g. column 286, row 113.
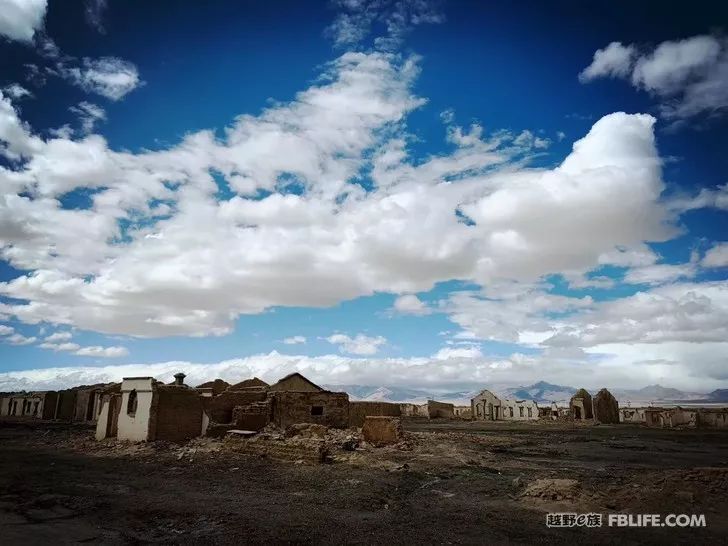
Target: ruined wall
column 606, row 408
column 632, row 415
column 486, row 406
column 322, row 407
column 254, row 416
column 220, row 408
column 49, row 405
column 440, row 410
column 382, row 431
column 580, row 405
column 84, row 405
column 519, row 410
column 463, row 412
column 5, row 405
column 66, row 404
column 713, row 417
column 359, row 410
column 178, row 414
column 135, row 425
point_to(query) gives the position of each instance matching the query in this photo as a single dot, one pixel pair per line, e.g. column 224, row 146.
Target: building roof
column 280, row 383
column 248, row 383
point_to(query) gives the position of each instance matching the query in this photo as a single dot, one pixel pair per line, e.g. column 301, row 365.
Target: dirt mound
column 553, row 489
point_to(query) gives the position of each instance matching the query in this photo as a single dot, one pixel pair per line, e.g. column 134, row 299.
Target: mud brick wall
column 84, row 405
column 290, row 408
column 440, row 410
column 382, row 431
column 311, row 451
column 49, row 405
column 359, row 410
column 66, row 405
column 220, row 408
column 178, row 415
column 254, row 416
column 606, row 408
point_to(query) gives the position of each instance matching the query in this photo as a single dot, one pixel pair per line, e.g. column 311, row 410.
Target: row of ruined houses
column 144, row 409
column 602, row 408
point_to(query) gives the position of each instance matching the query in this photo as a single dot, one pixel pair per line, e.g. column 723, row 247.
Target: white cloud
column 690, row 76
column 20, row 19
column 356, row 18
column 6, row 330
column 18, row 339
column 614, row 61
column 102, row 352
column 410, row 304
column 88, row 114
column 447, row 353
column 110, row 77
column 717, row 256
column 294, row 340
column 58, row 336
column 687, row 366
column 660, row 273
column 16, row 91
column 358, row 345
column 95, row 14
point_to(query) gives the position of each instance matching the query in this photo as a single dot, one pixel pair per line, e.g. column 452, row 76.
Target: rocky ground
column 446, row 482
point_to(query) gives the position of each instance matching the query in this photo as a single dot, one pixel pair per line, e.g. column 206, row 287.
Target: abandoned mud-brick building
column 580, row 405
column 605, row 407
column 66, row 404
column 147, row 410
column 37, row 405
column 320, row 407
column 359, row 410
column 486, row 406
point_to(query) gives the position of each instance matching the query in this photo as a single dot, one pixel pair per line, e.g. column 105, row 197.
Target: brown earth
column 448, row 482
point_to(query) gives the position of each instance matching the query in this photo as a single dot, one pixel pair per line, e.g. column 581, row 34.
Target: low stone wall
column 440, row 410
column 358, row 411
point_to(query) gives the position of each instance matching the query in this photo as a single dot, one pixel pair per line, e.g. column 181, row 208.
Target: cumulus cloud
column 18, row 339
column 716, row 256
column 20, row 19
column 157, row 252
column 102, row 352
column 294, row 340
column 410, row 304
column 58, row 336
column 689, row 77
column 358, row 345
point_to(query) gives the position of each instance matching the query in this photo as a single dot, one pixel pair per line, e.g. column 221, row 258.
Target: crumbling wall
column 66, row 405
column 606, row 408
column 308, row 451
column 322, row 407
column 178, row 414
column 580, row 405
column 440, row 410
column 632, row 415
column 486, row 406
column 84, row 405
column 713, row 417
column 49, row 405
column 382, row 431
column 253, row 416
column 463, row 412
column 220, row 408
column 136, row 420
column 359, row 410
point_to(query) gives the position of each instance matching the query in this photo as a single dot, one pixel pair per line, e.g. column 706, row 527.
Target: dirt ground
column 449, row 482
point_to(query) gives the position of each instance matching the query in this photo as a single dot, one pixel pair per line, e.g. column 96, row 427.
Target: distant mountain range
column 542, row 392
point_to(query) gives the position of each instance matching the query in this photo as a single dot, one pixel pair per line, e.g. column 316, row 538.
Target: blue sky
column 413, row 193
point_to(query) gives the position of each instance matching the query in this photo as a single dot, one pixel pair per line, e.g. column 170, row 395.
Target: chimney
column 179, row 379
